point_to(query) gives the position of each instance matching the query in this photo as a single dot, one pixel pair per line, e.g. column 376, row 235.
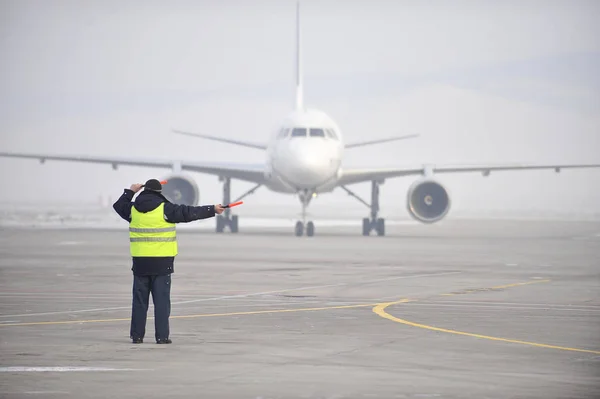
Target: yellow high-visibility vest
column 150, row 234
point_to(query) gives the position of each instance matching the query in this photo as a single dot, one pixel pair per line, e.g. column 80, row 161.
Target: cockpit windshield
column 331, row 133
column 299, row 132
column 307, row 132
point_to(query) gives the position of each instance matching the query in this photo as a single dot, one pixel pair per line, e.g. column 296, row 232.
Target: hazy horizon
column 485, row 82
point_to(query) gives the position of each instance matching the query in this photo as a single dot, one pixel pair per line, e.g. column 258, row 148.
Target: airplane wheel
column 380, row 227
column 234, row 224
column 310, row 229
column 366, row 226
column 299, row 229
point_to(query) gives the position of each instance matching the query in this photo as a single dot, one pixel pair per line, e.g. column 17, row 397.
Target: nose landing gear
column 305, row 197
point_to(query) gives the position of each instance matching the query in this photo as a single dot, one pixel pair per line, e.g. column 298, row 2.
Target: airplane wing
column 351, row 176
column 247, row 172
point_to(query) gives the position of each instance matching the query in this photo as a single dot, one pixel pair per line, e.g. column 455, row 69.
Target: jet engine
column 427, row 201
column 181, row 190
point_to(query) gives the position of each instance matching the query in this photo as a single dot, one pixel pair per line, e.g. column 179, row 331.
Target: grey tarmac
column 460, row 309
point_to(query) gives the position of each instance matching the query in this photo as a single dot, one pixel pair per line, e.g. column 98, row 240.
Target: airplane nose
column 309, row 160
column 311, row 166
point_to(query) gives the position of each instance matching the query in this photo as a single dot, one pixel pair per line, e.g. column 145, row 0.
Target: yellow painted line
column 380, row 310
column 41, row 323
column 44, row 323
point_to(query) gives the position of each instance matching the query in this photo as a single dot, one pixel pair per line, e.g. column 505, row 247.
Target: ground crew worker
column 153, row 247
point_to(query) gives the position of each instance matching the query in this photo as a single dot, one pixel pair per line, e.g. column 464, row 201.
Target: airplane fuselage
column 305, row 153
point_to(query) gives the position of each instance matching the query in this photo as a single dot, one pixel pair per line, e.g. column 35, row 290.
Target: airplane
column 304, row 157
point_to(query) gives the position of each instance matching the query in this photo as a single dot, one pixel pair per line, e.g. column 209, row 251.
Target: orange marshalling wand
column 234, row 204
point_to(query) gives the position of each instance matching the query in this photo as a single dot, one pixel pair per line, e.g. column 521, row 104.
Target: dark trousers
column 160, row 287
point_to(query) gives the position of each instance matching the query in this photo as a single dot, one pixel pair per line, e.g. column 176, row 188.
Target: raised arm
column 123, row 205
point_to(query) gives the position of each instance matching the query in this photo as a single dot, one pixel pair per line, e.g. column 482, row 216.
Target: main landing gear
column 305, row 197
column 226, row 219
column 374, row 222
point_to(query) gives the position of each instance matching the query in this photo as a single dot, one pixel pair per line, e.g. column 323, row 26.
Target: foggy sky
column 482, row 82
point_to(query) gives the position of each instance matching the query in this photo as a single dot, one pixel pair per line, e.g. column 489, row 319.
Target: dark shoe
column 164, row 341
column 137, row 340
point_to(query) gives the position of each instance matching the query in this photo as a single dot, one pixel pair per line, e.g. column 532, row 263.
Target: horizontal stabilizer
column 223, row 140
column 365, row 143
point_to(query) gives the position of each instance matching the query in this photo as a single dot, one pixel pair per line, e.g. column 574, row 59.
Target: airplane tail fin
column 299, row 88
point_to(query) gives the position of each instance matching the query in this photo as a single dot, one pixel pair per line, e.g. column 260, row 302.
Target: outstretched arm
column 185, row 213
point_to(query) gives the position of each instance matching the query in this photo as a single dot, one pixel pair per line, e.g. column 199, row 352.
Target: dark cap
column 153, row 185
